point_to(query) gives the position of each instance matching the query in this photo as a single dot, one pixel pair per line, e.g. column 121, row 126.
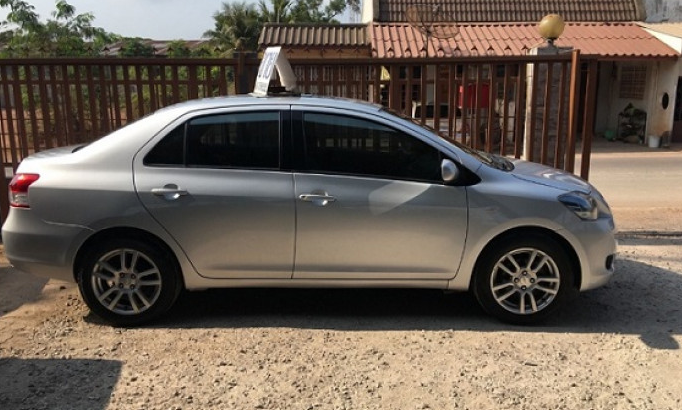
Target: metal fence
column 509, row 105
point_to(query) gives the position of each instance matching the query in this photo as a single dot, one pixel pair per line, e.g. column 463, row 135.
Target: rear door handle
column 317, row 199
column 169, row 192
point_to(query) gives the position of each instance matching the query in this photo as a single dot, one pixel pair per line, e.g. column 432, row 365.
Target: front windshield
column 492, row 160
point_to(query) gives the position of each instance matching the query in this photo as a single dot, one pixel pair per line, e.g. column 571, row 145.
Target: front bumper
column 597, row 251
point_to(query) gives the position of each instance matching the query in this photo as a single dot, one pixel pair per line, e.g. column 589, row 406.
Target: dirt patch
column 617, row 347
column 667, row 220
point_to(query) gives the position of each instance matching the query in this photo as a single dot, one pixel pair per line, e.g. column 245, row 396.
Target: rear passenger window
column 237, row 140
column 355, row 146
column 244, row 140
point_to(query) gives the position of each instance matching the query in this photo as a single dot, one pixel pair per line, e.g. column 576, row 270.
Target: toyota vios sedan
column 301, row 192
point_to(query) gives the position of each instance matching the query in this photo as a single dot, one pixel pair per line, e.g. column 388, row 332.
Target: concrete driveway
column 618, row 347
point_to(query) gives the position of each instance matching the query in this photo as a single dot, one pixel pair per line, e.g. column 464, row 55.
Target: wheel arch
column 124, row 232
column 573, row 258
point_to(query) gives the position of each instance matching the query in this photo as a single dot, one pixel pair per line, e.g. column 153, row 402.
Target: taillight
column 18, row 189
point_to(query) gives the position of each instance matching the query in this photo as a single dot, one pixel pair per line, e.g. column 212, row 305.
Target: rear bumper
column 38, row 247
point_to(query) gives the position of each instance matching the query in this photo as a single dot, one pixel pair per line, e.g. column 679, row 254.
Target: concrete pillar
column 537, row 103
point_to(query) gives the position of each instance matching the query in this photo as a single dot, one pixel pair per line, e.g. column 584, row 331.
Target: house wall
column 603, row 119
column 370, row 11
column 661, row 78
column 672, row 72
column 663, row 10
column 673, row 42
column 664, row 81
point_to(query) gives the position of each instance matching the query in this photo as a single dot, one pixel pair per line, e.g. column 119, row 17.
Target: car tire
column 128, row 282
column 523, row 279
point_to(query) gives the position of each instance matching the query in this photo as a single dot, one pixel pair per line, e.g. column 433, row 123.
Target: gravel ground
column 617, row 347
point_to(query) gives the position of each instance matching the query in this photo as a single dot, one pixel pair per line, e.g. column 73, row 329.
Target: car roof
column 248, row 99
column 125, row 138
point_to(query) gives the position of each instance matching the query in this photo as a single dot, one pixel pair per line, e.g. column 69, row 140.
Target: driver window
column 354, row 146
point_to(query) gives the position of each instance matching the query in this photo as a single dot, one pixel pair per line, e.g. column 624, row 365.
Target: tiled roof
column 486, row 11
column 671, row 29
column 619, row 40
column 317, row 35
column 160, row 47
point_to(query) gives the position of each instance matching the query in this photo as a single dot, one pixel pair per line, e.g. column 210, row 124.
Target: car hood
column 548, row 176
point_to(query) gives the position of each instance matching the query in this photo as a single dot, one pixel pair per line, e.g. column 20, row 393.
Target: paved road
column 640, row 179
column 642, row 185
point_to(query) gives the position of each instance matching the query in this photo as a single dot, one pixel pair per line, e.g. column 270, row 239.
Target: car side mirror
column 449, row 171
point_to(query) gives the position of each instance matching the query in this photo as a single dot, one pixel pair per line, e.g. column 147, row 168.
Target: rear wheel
column 523, row 280
column 127, row 281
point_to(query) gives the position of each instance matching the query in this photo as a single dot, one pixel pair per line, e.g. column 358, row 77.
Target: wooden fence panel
column 483, row 102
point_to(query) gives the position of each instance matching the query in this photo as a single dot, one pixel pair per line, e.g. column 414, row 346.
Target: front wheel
column 127, row 281
column 523, row 280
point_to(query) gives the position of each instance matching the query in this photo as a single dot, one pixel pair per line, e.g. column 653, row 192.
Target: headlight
column 583, row 205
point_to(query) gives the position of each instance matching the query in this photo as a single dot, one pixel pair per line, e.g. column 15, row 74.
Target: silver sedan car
column 301, row 192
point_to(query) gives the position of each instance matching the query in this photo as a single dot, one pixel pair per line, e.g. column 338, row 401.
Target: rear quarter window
column 169, row 151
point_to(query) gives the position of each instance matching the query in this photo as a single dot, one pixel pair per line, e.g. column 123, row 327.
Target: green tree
column 278, row 14
column 354, row 5
column 65, row 34
column 179, row 49
column 204, row 50
column 135, row 47
column 312, row 11
column 237, row 27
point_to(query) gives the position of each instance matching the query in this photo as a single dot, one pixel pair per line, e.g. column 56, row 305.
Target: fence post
column 573, row 98
column 543, row 115
column 394, row 88
column 242, row 84
column 4, row 196
column 588, row 119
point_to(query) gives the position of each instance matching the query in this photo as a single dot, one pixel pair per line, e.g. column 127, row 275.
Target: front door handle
column 317, row 199
column 169, row 192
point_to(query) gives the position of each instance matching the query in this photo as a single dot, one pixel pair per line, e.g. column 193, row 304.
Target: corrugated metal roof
column 480, row 11
column 618, row 40
column 671, row 29
column 314, row 35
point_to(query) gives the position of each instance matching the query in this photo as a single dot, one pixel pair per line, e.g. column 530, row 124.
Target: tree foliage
column 280, row 12
column 238, row 25
column 65, row 34
column 315, row 11
column 354, row 5
column 135, row 47
column 179, row 49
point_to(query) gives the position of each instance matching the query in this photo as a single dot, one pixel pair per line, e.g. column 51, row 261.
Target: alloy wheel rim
column 126, row 281
column 525, row 281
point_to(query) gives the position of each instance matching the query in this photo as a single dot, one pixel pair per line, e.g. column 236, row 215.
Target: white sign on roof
column 273, row 58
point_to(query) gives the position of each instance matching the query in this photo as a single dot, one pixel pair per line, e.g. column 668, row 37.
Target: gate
column 516, row 106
